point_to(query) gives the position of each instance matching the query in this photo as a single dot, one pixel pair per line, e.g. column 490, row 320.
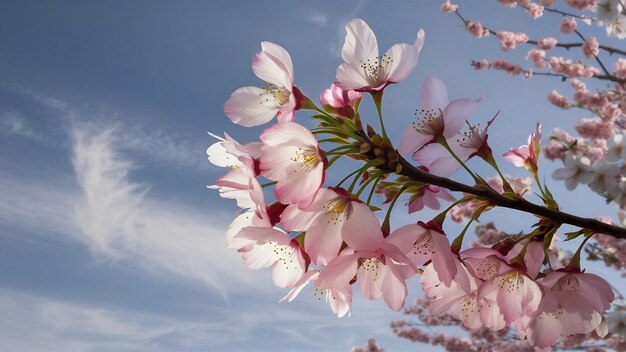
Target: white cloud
column 156, row 143
column 119, row 220
column 318, row 18
column 12, row 123
column 37, row 323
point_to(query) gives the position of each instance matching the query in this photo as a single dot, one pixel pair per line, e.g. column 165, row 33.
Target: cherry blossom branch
column 567, row 46
column 521, row 204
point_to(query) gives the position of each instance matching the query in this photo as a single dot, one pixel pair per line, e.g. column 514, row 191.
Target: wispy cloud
column 155, row 143
column 119, row 220
column 37, row 323
column 318, row 18
column 12, row 123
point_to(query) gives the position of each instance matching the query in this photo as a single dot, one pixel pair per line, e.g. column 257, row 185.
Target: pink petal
column 437, row 159
column 288, row 133
column 339, row 272
column 412, row 140
column 301, row 186
column 351, row 77
column 309, row 276
column 360, row 43
column 273, row 64
column 393, row 287
column 323, row 240
column 250, row 106
column 404, row 58
column 370, row 277
column 443, row 260
column 341, row 301
column 289, row 267
column 434, row 94
column 404, row 237
column 287, row 112
column 455, row 115
column 361, row 230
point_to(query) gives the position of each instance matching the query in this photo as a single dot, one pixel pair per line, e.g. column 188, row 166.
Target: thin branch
column 519, row 203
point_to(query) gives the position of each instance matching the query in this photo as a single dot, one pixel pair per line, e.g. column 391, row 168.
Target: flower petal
column 455, row 115
column 273, row 65
column 360, row 43
column 404, row 58
column 250, row 106
column 434, row 94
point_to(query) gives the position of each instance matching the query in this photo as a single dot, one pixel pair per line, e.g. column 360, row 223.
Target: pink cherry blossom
column 426, row 242
column 274, row 248
column 292, row 157
column 568, row 25
column 457, row 300
column 581, row 4
column 547, row 43
column 364, row 70
column 428, row 196
column 619, row 68
column 448, row 7
column 333, row 217
column 340, row 300
column 381, row 272
column 253, row 106
column 558, row 100
column 527, row 155
column 341, row 100
column 591, row 48
column 227, row 151
column 577, row 170
column 438, row 160
column 537, row 56
column 533, row 258
column 477, row 29
column 437, row 117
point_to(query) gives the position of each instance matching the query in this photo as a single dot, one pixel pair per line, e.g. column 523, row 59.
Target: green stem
column 491, row 161
column 377, row 96
column 369, row 197
column 269, row 184
column 458, row 241
column 369, row 180
column 442, row 140
column 385, row 227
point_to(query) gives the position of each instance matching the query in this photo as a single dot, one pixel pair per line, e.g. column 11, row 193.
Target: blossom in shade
column 527, row 155
column 340, row 300
column 333, row 217
column 364, row 70
column 292, row 157
column 227, row 151
column 253, row 106
column 437, row 117
column 577, row 170
column 380, row 272
column 428, row 196
column 458, row 299
column 274, row 247
column 572, row 304
column 426, row 242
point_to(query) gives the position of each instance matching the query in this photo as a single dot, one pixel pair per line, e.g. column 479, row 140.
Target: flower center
column 307, row 158
column 511, row 281
column 284, row 255
column 472, row 139
column 371, row 265
column 566, row 283
column 338, row 209
column 429, row 121
column 275, row 94
column 376, row 69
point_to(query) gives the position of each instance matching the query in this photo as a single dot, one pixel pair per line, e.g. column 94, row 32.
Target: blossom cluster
column 330, row 236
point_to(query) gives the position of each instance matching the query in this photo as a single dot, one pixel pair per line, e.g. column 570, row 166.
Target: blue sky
column 109, row 239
